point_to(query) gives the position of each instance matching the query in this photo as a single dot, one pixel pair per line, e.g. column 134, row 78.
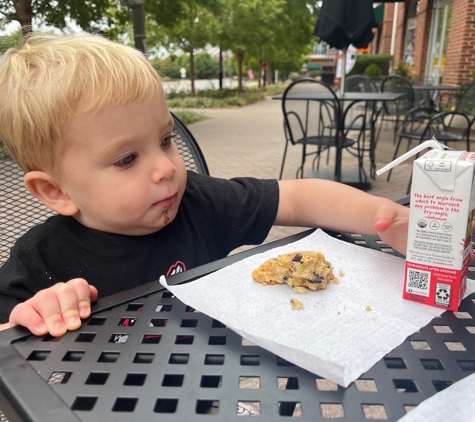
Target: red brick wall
column 460, row 55
column 387, row 29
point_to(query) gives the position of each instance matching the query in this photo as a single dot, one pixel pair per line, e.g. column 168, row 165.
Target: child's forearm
column 4, row 326
column 319, row 203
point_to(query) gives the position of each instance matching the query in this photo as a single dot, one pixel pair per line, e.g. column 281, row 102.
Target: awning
column 379, row 13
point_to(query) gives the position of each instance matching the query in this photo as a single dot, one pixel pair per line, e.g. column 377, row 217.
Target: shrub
column 406, row 70
column 167, row 67
column 364, row 60
column 315, row 73
column 188, row 117
column 373, row 71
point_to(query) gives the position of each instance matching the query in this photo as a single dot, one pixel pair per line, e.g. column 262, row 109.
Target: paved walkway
column 249, row 141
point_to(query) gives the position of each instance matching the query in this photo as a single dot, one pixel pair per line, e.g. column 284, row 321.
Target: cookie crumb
column 341, row 273
column 300, row 290
column 336, row 281
column 338, row 312
column 368, row 308
column 314, row 306
column 344, row 308
column 374, row 319
column 296, row 304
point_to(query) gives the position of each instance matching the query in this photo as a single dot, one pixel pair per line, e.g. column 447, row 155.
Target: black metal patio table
column 347, row 100
column 434, row 92
column 144, row 355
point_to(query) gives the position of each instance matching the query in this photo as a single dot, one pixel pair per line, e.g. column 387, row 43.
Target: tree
column 292, row 36
column 87, row 15
column 182, row 24
column 244, row 25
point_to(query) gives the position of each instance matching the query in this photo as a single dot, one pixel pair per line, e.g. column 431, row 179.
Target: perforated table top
column 144, row 355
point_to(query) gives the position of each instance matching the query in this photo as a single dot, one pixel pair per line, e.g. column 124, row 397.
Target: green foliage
column 205, row 66
column 406, row 70
column 182, row 24
column 364, row 60
column 373, row 71
column 276, row 31
column 88, row 15
column 222, row 98
column 167, row 67
column 315, row 73
column 14, row 40
column 188, row 117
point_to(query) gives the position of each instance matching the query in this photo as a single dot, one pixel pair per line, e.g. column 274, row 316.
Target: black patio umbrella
column 344, row 22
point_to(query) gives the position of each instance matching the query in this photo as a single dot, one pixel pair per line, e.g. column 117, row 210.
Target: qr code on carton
column 418, row 282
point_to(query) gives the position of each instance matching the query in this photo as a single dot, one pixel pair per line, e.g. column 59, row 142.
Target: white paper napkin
column 455, row 404
column 335, row 336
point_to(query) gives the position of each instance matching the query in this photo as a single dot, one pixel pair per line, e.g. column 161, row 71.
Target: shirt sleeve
column 236, row 212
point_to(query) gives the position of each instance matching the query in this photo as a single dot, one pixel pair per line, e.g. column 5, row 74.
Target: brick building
column 437, row 36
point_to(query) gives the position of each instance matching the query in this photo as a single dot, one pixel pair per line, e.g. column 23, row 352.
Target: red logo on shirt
column 178, row 267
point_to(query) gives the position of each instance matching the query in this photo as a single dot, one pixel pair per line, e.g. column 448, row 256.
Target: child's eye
column 167, row 141
column 127, row 161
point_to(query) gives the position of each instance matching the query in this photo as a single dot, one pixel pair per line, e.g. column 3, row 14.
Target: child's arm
column 55, row 310
column 335, row 206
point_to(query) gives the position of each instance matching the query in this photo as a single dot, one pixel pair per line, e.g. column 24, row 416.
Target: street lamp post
column 138, row 19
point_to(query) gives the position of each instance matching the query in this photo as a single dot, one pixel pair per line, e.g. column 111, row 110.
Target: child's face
column 122, row 170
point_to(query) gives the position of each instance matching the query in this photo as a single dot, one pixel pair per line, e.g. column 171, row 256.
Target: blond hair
column 52, row 78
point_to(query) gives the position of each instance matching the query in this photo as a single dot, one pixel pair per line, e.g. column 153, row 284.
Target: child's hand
column 57, row 309
column 391, row 223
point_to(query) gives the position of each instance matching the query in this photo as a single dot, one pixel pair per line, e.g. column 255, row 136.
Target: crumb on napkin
column 369, row 308
column 341, row 273
column 296, row 304
column 300, row 290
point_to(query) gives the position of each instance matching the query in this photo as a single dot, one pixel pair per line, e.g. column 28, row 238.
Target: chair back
column 188, row 147
column 304, row 117
column 360, row 83
column 20, row 211
column 398, row 84
column 466, row 104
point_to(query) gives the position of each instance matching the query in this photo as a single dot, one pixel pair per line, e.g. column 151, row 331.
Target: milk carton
column 440, row 228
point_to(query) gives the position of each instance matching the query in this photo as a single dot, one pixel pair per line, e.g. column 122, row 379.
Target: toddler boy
column 87, row 121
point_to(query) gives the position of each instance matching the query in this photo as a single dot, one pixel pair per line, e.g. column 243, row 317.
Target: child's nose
column 163, row 168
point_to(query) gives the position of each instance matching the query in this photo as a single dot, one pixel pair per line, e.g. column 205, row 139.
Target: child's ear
column 47, row 189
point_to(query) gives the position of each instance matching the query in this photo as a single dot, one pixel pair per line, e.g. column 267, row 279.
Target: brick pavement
column 249, row 141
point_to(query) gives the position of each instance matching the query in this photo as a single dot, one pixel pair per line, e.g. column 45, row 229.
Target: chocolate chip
column 297, row 258
column 286, row 277
column 316, row 279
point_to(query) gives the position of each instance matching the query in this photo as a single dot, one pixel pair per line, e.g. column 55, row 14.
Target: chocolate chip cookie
column 298, row 269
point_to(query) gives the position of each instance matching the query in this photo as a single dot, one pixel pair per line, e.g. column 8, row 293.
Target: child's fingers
column 384, row 218
column 24, row 315
column 56, row 309
column 46, row 303
column 67, row 295
column 84, row 294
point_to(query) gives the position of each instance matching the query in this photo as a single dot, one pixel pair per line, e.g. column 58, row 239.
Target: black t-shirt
column 214, row 217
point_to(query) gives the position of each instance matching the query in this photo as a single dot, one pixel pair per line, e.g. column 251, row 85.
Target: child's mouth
column 167, row 202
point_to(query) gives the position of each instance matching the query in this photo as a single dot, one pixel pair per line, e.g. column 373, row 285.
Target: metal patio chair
column 420, row 124
column 20, row 211
column 397, row 109
column 368, row 113
column 311, row 122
